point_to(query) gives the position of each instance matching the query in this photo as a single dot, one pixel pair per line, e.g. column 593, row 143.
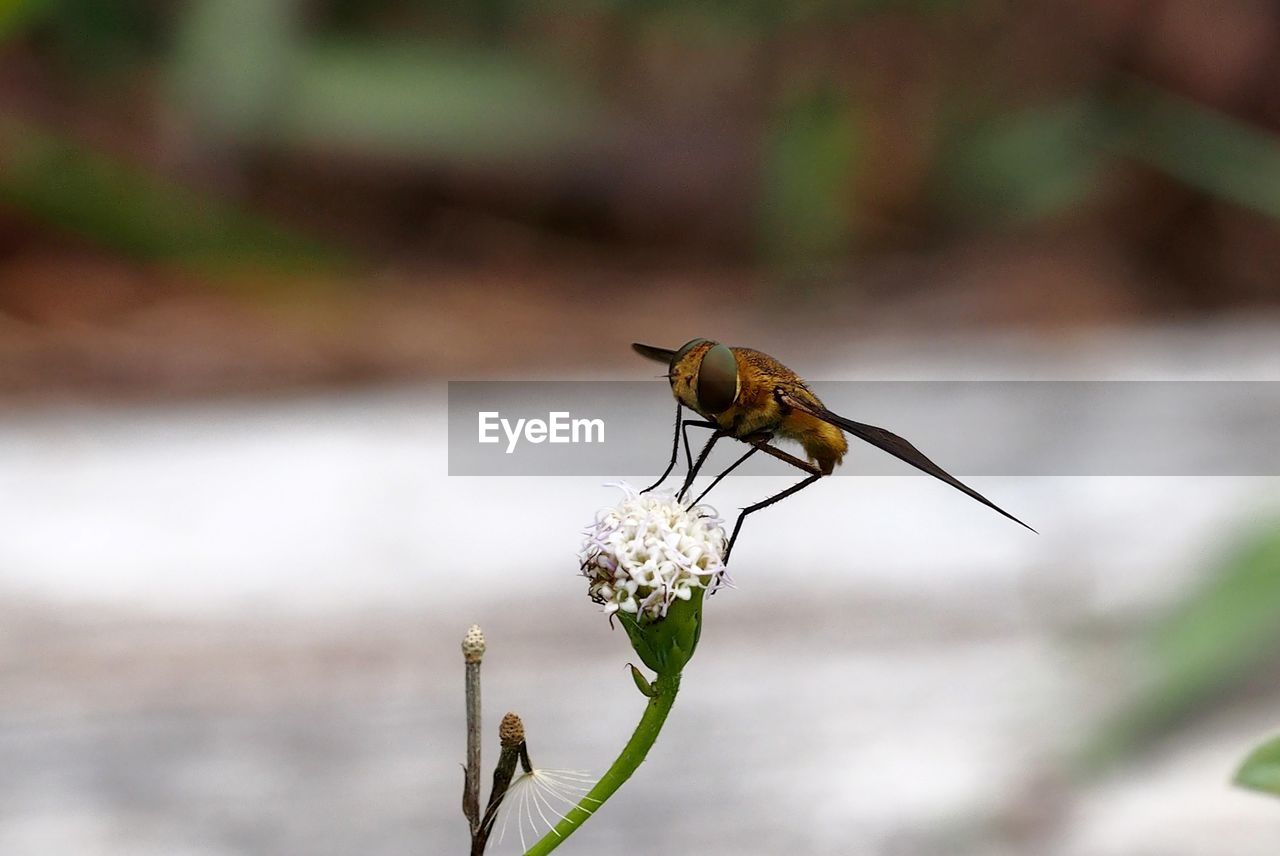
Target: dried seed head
column 473, row 644
column 511, row 731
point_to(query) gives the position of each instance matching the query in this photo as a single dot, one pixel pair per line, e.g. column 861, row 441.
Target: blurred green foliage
column 90, row 34
column 1213, row 640
column 131, row 210
column 501, row 83
column 1261, row 770
column 765, row 14
column 17, row 14
column 411, row 99
column 429, row 101
column 1206, row 149
column 233, row 63
column 1025, row 166
column 810, row 163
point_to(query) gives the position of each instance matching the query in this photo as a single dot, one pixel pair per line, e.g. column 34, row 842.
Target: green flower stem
column 633, row 754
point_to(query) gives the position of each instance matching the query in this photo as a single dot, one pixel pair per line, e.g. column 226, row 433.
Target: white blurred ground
column 232, row 628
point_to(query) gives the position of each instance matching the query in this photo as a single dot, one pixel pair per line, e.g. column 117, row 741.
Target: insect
column 749, row 396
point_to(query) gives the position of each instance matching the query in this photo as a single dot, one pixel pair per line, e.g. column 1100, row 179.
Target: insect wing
column 900, row 448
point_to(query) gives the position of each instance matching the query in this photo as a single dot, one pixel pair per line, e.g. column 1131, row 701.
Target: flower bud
column 510, row 731
column 473, row 644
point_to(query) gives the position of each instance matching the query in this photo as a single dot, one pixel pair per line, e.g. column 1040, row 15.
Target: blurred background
column 245, row 243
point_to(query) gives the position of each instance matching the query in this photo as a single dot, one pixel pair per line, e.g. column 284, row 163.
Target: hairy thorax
column 758, row 410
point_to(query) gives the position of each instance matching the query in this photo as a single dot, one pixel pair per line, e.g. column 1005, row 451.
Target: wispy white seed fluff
column 649, row 550
column 552, row 794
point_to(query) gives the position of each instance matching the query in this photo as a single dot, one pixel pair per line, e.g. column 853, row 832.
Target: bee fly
column 750, row 396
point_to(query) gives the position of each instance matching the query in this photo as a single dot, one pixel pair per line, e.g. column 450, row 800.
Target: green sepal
column 642, row 683
column 667, row 644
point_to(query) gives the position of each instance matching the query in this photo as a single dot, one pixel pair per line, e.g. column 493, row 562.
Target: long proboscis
column 900, row 448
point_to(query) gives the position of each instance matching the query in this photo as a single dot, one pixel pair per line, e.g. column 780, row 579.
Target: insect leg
column 696, row 423
column 763, row 445
column 731, row 468
column 777, row 497
column 682, row 430
column 760, row 443
column 675, row 450
column 693, row 471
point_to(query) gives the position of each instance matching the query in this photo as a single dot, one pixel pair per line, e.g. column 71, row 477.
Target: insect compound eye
column 717, row 379
column 684, row 349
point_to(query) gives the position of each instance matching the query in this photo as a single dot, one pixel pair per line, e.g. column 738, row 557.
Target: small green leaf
column 1261, row 770
column 642, row 683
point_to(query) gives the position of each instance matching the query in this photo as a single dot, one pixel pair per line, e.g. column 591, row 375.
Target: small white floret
column 650, row 550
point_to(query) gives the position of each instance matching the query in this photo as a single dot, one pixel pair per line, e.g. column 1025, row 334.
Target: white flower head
column 650, row 550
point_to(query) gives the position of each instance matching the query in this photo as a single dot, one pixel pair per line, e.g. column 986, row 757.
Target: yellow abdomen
column 823, row 442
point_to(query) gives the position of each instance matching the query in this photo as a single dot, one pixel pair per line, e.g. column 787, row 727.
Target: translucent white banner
column 997, row 428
